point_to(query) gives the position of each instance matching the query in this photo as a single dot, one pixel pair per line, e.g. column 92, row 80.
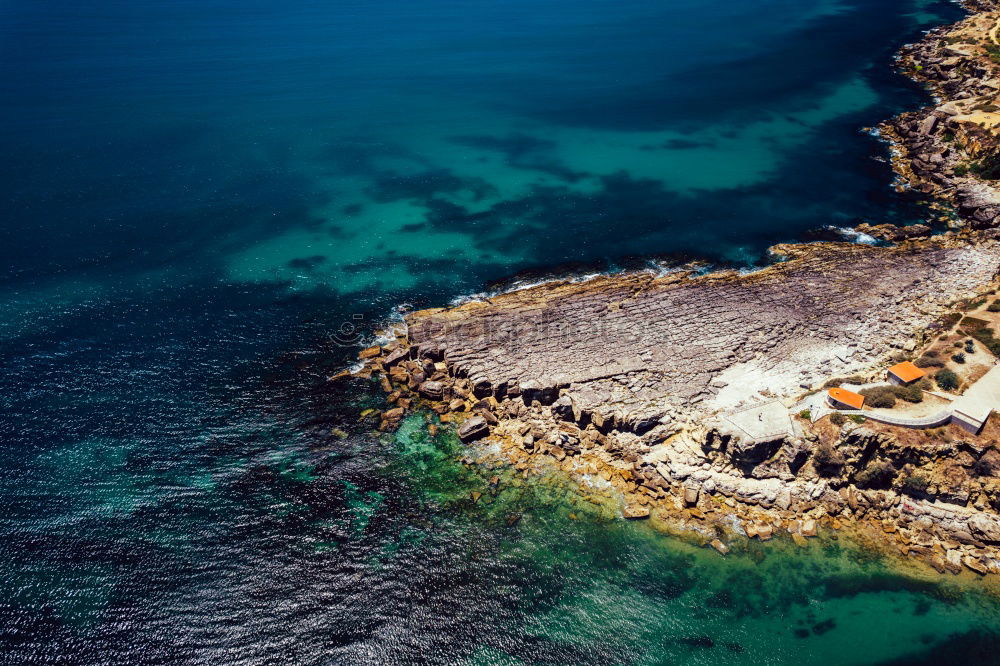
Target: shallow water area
column 624, row 592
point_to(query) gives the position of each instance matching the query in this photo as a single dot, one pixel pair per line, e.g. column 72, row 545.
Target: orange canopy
column 849, row 398
column 906, row 371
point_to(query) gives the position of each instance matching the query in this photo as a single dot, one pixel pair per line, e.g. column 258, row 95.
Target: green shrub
column 880, row 396
column 970, row 347
column 837, row 381
column 927, row 361
column 805, row 414
column 857, row 418
column 838, row 419
column 994, row 306
column 829, row 461
column 912, row 393
column 958, row 358
column 877, row 475
column 961, row 170
column 915, row 484
column 946, row 379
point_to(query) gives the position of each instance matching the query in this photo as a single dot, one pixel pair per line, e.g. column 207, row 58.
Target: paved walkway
column 980, row 399
column 932, row 421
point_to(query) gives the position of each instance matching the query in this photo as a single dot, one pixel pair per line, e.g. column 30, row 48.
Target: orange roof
column 906, row 371
column 849, row 398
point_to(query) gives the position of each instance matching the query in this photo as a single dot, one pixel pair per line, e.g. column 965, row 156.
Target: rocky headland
column 687, row 394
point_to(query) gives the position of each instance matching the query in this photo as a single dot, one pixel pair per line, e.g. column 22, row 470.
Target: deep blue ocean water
column 207, row 205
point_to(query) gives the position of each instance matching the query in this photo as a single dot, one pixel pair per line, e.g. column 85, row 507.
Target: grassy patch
column 993, row 51
column 985, row 335
column 972, row 324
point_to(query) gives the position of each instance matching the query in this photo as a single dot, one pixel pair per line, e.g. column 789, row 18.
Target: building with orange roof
column 843, row 399
column 904, row 373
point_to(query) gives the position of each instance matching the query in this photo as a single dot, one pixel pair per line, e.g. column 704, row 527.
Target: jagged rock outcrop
column 951, row 151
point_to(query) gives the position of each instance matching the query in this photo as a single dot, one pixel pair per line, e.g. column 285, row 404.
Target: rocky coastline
column 641, row 384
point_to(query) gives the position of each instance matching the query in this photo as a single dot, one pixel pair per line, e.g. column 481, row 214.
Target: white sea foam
column 521, row 285
column 853, row 235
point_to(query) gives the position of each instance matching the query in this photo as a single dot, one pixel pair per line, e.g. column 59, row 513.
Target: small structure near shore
column 903, row 374
column 840, row 398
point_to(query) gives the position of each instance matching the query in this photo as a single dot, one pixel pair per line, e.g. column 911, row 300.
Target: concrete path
column 931, row 421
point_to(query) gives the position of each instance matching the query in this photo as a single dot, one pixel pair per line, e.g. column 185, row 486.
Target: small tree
column 958, row 358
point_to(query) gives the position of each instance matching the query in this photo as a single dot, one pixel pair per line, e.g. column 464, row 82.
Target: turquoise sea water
column 207, row 205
